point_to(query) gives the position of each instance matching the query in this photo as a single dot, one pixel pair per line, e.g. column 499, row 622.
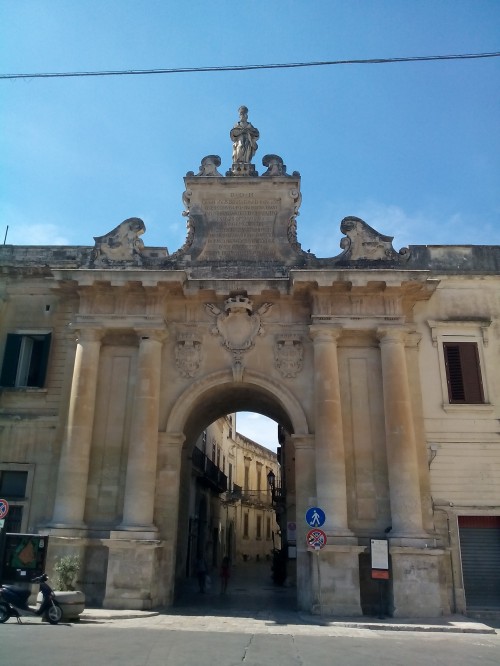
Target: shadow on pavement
column 250, row 593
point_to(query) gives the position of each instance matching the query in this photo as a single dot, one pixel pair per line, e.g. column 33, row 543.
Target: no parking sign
column 4, row 508
column 316, row 539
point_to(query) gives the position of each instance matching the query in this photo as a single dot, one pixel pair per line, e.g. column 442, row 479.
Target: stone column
column 171, row 498
column 140, row 481
column 75, row 454
column 405, row 497
column 141, row 571
column 330, row 454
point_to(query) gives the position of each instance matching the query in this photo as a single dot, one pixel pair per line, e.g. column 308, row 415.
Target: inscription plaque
column 240, row 225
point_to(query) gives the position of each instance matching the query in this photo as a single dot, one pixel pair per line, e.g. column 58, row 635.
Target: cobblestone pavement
column 253, row 604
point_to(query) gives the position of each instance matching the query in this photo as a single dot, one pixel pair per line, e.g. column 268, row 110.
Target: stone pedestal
column 417, row 585
column 335, row 574
column 134, row 574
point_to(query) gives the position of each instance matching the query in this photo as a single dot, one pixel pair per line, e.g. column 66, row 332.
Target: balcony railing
column 208, row 472
column 256, row 497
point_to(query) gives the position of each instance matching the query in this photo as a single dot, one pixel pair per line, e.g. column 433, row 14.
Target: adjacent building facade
column 381, row 367
column 231, row 511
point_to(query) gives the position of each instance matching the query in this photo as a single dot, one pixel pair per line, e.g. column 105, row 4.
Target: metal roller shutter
column 480, row 550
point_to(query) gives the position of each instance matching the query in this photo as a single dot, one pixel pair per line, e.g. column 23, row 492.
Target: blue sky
column 413, row 149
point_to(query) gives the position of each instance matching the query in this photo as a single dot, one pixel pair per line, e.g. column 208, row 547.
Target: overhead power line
column 242, row 68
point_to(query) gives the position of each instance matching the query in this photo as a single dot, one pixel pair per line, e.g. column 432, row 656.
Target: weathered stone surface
column 232, row 223
column 348, row 360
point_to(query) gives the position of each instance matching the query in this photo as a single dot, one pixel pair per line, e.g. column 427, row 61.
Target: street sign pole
column 4, row 510
column 316, row 540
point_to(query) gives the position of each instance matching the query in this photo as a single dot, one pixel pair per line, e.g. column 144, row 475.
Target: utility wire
column 241, row 68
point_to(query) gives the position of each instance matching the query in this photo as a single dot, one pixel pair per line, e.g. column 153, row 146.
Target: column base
column 62, row 530
column 341, row 537
column 144, row 533
column 421, row 540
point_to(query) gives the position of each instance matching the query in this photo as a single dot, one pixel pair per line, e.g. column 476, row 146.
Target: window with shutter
column 463, row 373
column 16, row 482
column 25, row 360
column 258, row 528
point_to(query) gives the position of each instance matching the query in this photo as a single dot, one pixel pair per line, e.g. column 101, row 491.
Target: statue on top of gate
column 244, row 137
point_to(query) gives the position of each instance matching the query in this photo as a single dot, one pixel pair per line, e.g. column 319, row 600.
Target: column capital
column 325, row 333
column 305, row 442
column 392, row 334
column 87, row 333
column 171, row 439
column 154, row 334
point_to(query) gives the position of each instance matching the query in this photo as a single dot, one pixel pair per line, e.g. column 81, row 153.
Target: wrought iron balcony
column 209, row 475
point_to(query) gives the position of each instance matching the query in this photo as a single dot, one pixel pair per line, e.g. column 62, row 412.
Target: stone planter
column 72, row 603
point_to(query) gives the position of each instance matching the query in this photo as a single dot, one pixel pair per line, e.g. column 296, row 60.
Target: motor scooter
column 14, row 602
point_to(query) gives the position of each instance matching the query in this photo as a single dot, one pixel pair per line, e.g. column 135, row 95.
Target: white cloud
column 258, row 428
column 392, row 220
column 36, row 234
column 23, row 231
column 428, row 225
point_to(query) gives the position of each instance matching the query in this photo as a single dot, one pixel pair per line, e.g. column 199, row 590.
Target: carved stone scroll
column 362, row 242
column 120, row 244
column 209, row 166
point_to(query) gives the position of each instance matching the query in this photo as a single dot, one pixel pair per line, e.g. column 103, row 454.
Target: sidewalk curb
column 108, row 614
column 435, row 628
column 455, row 624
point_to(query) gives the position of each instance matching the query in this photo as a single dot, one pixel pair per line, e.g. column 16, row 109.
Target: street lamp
column 271, row 480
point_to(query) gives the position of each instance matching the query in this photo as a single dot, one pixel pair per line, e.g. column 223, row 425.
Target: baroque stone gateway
column 379, row 365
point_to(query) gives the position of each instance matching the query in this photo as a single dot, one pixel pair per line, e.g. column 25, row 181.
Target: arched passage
column 200, row 405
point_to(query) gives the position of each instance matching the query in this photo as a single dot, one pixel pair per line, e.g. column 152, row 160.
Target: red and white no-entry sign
column 4, row 508
column 316, row 539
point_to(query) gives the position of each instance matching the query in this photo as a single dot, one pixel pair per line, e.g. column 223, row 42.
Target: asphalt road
column 166, row 640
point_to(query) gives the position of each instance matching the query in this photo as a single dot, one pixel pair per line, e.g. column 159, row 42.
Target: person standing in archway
column 202, row 573
column 225, row 574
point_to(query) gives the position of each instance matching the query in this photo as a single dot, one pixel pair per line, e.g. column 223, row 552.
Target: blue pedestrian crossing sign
column 315, row 517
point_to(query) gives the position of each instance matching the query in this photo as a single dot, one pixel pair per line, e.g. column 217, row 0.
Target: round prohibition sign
column 4, row 508
column 316, row 539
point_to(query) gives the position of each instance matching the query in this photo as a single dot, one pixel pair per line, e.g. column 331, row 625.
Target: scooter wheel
column 4, row 613
column 54, row 614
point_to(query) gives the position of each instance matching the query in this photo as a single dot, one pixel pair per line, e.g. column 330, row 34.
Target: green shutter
column 43, row 360
column 10, row 360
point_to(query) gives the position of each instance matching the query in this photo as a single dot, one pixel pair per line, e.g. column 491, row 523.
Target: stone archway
column 202, row 403
column 217, row 394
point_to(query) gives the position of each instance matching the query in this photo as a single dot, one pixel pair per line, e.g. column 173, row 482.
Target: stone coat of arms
column 237, row 326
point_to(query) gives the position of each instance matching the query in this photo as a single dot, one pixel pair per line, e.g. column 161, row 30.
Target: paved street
column 192, row 641
column 255, row 624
